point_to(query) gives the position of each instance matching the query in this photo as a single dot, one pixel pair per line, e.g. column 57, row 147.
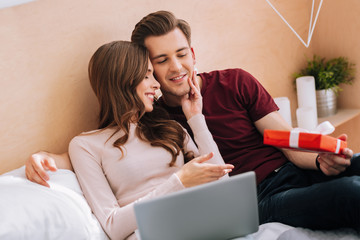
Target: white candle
column 284, row 108
column 306, row 118
column 306, row 94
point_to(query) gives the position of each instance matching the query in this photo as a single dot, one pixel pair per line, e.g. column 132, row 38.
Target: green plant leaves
column 329, row 74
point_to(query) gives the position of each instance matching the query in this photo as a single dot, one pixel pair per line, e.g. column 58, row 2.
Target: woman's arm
column 192, row 108
column 204, row 139
column 118, row 221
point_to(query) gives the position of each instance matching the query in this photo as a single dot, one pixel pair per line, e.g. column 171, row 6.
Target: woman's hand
column 197, row 171
column 192, row 102
column 38, row 164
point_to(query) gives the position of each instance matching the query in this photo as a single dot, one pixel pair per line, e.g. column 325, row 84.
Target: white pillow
column 31, row 211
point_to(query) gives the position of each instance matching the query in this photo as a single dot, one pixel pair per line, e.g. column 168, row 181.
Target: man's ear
column 193, row 55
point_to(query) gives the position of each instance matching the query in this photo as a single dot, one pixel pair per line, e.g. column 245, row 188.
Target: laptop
column 224, row 209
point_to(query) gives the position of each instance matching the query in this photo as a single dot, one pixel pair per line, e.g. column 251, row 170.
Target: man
column 295, row 188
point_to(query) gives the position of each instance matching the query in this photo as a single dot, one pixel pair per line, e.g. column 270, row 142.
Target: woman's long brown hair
column 115, row 70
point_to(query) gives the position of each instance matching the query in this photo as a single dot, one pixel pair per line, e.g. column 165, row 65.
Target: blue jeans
column 309, row 199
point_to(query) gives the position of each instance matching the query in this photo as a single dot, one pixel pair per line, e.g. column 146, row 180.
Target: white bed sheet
column 279, row 231
column 31, row 211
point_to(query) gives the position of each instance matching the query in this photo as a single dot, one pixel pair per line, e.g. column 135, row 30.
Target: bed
column 31, row 211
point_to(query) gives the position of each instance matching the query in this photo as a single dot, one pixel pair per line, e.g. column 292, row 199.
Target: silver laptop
column 224, row 209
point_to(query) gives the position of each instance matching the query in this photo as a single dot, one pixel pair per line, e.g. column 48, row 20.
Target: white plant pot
column 326, row 102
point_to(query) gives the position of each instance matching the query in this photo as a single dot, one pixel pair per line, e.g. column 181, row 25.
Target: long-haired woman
column 138, row 153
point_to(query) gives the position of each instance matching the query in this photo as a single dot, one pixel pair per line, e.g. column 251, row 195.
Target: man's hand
column 38, row 164
column 332, row 164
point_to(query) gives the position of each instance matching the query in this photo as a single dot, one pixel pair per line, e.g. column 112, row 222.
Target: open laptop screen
column 223, row 209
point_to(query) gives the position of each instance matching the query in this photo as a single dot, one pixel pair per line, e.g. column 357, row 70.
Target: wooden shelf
column 342, row 116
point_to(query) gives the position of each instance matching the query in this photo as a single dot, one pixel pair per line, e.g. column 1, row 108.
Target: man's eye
column 182, row 55
column 161, row 61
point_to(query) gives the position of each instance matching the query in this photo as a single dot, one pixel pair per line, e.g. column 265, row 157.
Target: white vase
column 326, row 102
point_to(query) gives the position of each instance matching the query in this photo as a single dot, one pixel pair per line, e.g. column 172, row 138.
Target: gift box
column 314, row 142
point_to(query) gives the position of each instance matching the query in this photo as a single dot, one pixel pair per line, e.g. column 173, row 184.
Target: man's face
column 173, row 61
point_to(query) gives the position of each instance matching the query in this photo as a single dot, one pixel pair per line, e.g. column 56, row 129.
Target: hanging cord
column 311, row 26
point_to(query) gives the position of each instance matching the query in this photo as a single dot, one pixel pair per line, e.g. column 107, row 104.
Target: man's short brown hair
column 157, row 24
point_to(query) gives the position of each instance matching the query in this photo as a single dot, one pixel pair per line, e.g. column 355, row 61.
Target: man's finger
column 348, row 153
column 41, row 181
column 40, row 171
column 34, row 177
column 343, row 137
column 332, row 166
column 50, row 164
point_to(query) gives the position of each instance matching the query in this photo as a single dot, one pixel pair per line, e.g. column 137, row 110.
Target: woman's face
column 146, row 89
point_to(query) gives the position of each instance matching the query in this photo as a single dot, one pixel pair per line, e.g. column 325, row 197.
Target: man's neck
column 200, row 81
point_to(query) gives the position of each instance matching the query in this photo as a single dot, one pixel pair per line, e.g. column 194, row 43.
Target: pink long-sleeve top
column 112, row 183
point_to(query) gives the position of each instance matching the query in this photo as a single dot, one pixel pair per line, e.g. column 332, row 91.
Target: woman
column 137, row 153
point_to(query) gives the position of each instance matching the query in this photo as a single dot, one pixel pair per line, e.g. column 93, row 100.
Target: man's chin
column 177, row 93
column 172, row 98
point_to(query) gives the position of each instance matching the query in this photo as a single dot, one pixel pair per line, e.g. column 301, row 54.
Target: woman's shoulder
column 94, row 136
column 92, row 143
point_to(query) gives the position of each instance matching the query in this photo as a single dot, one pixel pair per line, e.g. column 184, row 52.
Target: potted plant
column 328, row 76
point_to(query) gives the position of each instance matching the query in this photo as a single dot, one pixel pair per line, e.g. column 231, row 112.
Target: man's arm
column 38, row 164
column 330, row 164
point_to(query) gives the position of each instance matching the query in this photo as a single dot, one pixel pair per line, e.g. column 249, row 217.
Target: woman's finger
column 195, row 81
column 204, row 158
column 194, row 84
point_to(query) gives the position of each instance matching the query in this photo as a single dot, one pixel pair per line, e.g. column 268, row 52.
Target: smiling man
column 173, row 68
column 295, row 188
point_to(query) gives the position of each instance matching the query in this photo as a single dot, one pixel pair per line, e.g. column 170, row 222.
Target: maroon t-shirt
column 232, row 101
